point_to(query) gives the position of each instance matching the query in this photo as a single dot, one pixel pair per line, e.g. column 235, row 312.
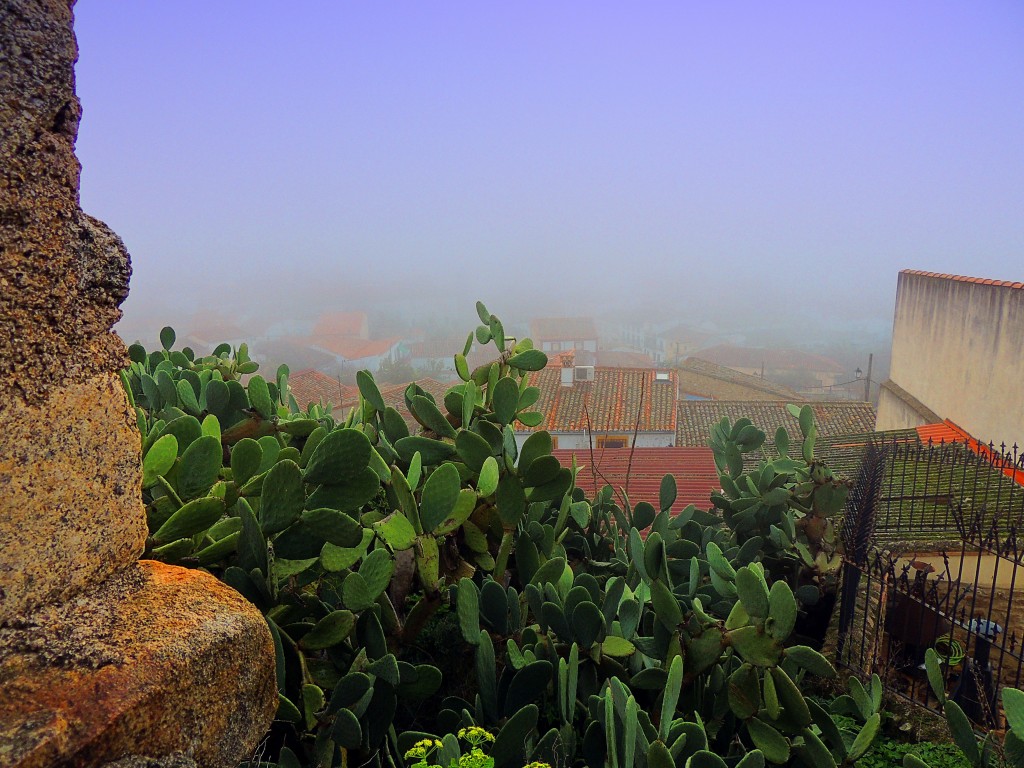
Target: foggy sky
column 754, row 160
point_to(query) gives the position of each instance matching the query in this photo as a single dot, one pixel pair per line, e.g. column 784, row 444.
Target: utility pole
column 867, row 381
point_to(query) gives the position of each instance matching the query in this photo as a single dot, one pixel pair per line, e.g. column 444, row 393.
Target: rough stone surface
column 101, row 659
column 70, row 494
column 173, row 761
column 158, row 660
column 63, row 274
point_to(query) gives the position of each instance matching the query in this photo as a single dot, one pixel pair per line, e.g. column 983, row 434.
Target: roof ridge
column 964, row 278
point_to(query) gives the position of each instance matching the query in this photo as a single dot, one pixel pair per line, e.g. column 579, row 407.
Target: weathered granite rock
column 158, row 660
column 176, row 760
column 70, row 493
column 100, row 658
column 63, row 274
column 69, row 476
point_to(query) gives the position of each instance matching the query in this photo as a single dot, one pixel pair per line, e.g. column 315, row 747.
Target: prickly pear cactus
column 575, row 631
column 790, row 504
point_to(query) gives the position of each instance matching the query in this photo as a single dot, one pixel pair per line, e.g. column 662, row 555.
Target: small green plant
column 986, row 752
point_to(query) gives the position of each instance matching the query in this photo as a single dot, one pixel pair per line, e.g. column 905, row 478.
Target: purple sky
column 730, row 156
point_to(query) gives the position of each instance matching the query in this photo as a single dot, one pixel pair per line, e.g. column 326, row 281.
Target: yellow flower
column 475, row 735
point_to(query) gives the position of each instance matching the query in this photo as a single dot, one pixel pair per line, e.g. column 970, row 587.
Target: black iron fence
column 922, row 486
column 963, row 602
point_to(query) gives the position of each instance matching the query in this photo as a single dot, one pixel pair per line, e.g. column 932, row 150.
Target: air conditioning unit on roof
column 584, row 373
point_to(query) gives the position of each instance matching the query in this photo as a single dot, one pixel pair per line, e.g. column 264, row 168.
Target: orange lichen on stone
column 159, row 659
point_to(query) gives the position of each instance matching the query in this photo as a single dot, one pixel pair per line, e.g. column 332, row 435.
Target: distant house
column 208, row 329
column 437, row 356
column 701, row 379
column 342, row 325
column 640, row 337
column 621, row 358
column 356, row 353
column 584, row 405
column 792, row 367
column 831, row 418
column 682, row 341
column 957, row 353
column 294, row 353
column 555, row 334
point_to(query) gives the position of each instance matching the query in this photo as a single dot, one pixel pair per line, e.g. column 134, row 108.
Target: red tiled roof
column 640, row 474
column 951, row 432
column 311, row 386
column 352, row 348
column 754, row 357
column 731, row 376
column 963, row 278
column 557, row 328
column 612, row 401
column 831, row 418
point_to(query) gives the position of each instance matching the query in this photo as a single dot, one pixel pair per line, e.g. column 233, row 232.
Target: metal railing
column 961, row 601
column 926, row 485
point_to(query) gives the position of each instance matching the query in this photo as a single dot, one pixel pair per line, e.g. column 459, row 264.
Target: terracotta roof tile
column 950, row 432
column 311, row 386
column 729, row 375
column 754, row 357
column 696, row 418
column 612, row 401
column 640, row 474
column 352, row 348
column 964, row 278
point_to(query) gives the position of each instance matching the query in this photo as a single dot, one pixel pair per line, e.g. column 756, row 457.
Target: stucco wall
column 958, row 348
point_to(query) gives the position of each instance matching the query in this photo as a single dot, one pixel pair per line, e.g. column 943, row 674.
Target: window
column 554, row 442
column 612, row 441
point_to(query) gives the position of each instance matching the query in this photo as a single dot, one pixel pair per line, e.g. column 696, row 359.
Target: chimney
column 568, row 371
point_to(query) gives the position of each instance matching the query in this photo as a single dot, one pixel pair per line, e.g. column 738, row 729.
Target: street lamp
column 867, row 382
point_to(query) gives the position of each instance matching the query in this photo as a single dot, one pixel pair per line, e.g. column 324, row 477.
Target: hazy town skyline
column 759, row 163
